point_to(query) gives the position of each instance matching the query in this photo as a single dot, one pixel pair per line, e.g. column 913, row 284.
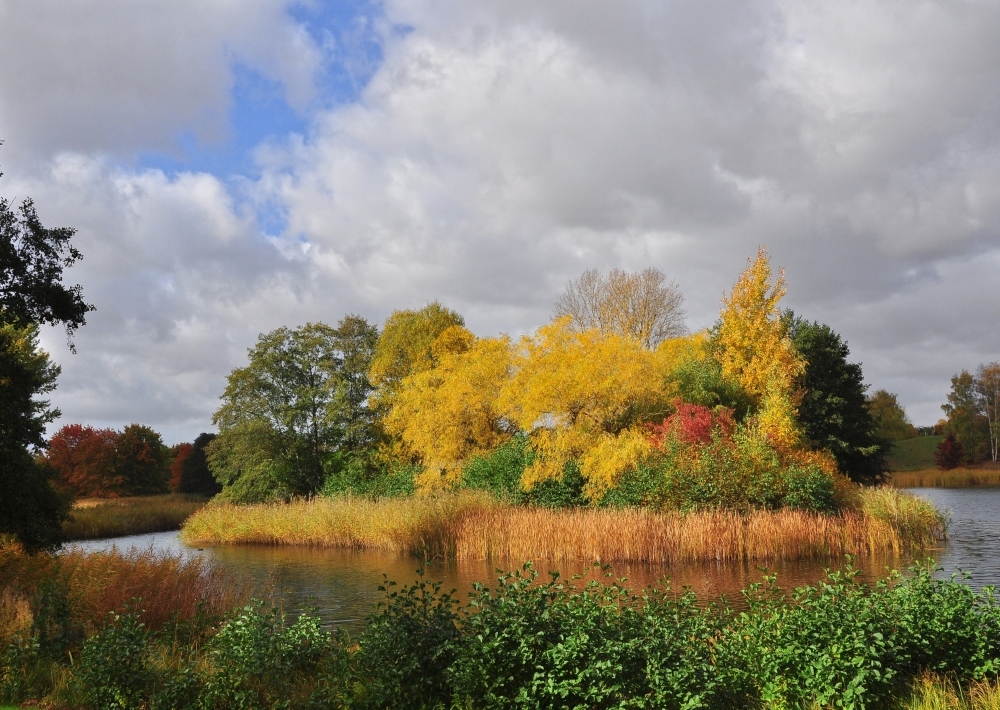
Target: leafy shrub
column 948, row 453
column 257, row 659
column 408, row 645
column 499, row 473
column 114, row 664
column 359, row 474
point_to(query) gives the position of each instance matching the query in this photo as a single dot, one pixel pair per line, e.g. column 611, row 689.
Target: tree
column 638, row 305
column 833, row 411
column 178, row 455
column 890, row 418
column 302, row 397
column 30, row 508
column 988, row 389
column 948, row 453
column 142, row 460
column 966, row 419
column 751, row 343
column 404, row 347
column 85, row 460
column 195, row 475
column 32, row 259
column 449, row 413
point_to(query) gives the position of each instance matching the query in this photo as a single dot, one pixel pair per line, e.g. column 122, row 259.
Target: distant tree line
column 972, row 424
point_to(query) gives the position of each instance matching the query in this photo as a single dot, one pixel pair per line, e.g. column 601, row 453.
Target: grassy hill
column 914, row 454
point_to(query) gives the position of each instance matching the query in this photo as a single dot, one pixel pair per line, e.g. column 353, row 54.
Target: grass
column 474, row 527
column 113, row 517
column 931, row 692
column 955, row 478
column 914, row 454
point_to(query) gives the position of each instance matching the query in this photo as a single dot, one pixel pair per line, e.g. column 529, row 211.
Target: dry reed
column 96, row 583
column 113, row 517
column 472, row 527
column 956, row 478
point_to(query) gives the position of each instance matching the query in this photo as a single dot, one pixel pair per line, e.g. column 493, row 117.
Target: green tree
column 302, row 399
column 142, row 460
column 195, row 476
column 32, row 259
column 966, row 419
column 833, row 412
column 889, row 416
column 30, row 509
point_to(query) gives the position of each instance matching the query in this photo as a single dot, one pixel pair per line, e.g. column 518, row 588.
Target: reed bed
column 935, row 692
column 393, row 524
column 956, row 478
column 113, row 517
column 473, row 527
column 93, row 584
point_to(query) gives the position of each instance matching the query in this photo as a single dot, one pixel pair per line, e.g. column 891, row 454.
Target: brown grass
column 955, row 478
column 472, row 527
column 100, row 582
column 113, row 517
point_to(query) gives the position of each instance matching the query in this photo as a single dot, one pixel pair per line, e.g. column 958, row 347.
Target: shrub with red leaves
column 948, row 453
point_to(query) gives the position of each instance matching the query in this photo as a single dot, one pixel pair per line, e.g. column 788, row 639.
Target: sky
column 235, row 167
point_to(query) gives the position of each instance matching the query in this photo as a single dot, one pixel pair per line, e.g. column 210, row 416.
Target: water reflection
column 343, row 584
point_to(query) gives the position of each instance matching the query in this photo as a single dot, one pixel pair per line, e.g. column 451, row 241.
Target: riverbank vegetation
column 93, row 518
column 909, row 642
column 965, row 477
column 471, row 525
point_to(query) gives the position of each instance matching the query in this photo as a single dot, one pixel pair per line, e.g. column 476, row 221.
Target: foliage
column 32, row 259
column 178, row 454
column 114, row 665
column 987, row 384
column 639, row 305
column 302, row 396
column 29, row 506
column 195, row 475
column 449, row 412
column 103, row 463
column 580, row 397
column 365, row 474
column 708, row 461
column 404, row 348
column 751, row 343
column 966, row 419
column 949, row 452
column 833, row 413
column 890, row 418
column 142, row 460
column 699, row 380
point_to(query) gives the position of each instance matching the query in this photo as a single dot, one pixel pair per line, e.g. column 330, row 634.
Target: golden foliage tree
column 753, row 348
column 581, row 395
column 404, row 347
column 641, row 305
column 448, row 413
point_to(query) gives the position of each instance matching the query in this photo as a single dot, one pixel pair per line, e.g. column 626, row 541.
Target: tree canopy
column 890, row 418
column 833, row 411
column 640, row 305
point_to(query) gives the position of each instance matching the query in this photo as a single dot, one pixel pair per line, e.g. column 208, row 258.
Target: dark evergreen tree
column 833, row 413
column 142, row 461
column 195, row 474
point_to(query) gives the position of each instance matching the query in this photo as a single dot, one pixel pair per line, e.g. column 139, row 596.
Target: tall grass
column 87, row 586
column 473, row 527
column 114, row 517
column 955, row 478
column 931, row 692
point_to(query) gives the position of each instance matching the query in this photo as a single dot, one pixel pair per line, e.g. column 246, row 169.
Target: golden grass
column 113, row 517
column 473, row 527
column 955, row 478
column 931, row 692
column 100, row 582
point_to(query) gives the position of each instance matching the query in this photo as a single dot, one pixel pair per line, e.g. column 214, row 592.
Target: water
column 342, row 585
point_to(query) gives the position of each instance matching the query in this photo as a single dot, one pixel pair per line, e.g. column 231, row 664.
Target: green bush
column 114, row 664
column 499, row 473
column 358, row 474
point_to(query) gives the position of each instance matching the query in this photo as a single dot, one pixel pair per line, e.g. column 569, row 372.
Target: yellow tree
column 448, row 413
column 753, row 348
column 581, row 396
column 404, row 347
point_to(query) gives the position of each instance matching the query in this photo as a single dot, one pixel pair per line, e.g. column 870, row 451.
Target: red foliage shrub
column 692, row 424
column 948, row 453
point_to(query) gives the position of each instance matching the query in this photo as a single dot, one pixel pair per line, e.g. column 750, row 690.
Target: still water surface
column 343, row 585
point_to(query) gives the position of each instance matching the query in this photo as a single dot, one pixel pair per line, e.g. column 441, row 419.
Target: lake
column 343, row 585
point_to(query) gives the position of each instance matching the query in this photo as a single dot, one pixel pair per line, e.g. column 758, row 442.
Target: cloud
column 118, row 77
column 499, row 149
